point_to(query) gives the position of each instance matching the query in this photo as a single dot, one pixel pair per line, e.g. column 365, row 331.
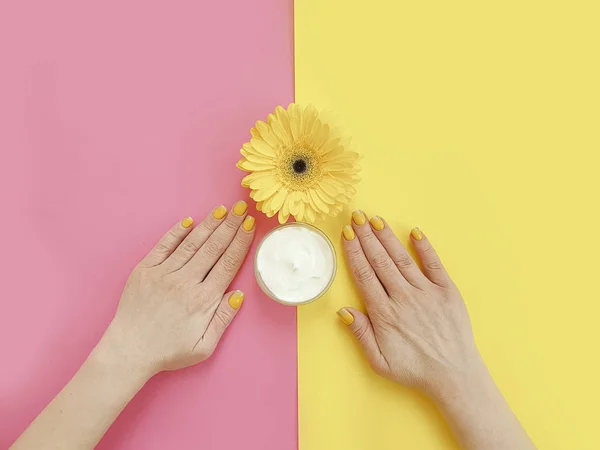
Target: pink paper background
column 117, row 118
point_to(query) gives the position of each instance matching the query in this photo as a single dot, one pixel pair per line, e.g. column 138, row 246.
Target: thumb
column 224, row 314
column 362, row 329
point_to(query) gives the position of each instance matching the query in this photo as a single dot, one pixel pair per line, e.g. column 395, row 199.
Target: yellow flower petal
column 263, row 194
column 323, row 196
column 295, row 122
column 250, row 166
column 329, row 145
column 256, row 158
column 279, row 198
column 321, row 205
column 310, row 214
column 280, row 132
column 310, row 114
column 283, row 217
column 330, row 188
column 284, row 119
column 268, row 136
column 285, row 208
column 254, row 176
column 259, row 206
column 301, row 209
column 262, row 147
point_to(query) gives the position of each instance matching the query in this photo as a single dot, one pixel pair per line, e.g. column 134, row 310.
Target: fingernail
column 236, row 299
column 219, row 212
column 348, row 233
column 187, row 222
column 248, row 224
column 377, row 223
column 416, row 234
column 240, row 208
column 359, row 217
column 346, row 316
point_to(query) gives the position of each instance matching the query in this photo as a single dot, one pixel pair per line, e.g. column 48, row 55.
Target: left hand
column 174, row 309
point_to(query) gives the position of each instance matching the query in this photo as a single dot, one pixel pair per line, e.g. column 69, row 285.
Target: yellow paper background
column 479, row 122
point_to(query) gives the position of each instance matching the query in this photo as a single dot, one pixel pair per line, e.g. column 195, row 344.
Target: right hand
column 417, row 331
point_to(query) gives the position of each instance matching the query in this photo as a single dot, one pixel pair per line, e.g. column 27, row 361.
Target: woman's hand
column 172, row 314
column 418, row 333
column 174, row 309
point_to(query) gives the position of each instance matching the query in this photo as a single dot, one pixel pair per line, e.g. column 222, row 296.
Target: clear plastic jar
column 262, row 283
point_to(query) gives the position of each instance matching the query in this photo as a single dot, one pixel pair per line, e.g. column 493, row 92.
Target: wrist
column 463, row 386
column 115, row 354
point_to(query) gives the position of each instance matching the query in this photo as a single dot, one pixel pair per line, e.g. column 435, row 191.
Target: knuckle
column 162, row 248
column 381, row 261
column 360, row 332
column 368, row 238
column 222, row 317
column 229, row 262
column 213, row 249
column 205, row 228
column 363, row 274
column 354, row 253
column 403, row 261
column 434, row 265
column 230, row 225
column 189, row 246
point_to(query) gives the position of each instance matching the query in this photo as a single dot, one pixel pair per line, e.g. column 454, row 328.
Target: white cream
column 295, row 263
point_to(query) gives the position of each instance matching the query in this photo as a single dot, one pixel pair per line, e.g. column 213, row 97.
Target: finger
column 223, row 273
column 224, row 314
column 210, row 252
column 168, row 243
column 194, row 240
column 398, row 253
column 364, row 276
column 378, row 257
column 362, row 329
column 430, row 261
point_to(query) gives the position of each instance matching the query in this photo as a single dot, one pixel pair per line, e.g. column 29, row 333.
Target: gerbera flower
column 300, row 166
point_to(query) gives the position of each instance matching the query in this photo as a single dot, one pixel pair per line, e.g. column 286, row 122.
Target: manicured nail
column 348, row 233
column 359, row 217
column 248, row 224
column 377, row 223
column 346, row 316
column 236, row 299
column 416, row 234
column 219, row 212
column 240, row 208
column 187, row 222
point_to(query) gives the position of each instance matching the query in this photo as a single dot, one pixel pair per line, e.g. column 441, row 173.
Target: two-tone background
column 479, row 122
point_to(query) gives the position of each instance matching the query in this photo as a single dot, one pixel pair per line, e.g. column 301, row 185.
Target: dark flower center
column 299, row 166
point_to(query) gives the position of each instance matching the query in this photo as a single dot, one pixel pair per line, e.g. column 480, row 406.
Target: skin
column 417, row 332
column 171, row 315
column 174, row 310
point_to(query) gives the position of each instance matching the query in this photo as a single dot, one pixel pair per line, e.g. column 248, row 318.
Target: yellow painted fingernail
column 219, row 212
column 346, row 316
column 416, row 234
column 248, row 224
column 240, row 208
column 377, row 223
column 236, row 299
column 187, row 222
column 348, row 233
column 359, row 217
